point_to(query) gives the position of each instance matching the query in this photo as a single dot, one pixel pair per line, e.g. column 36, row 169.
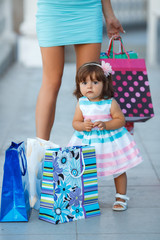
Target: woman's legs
column 121, row 187
column 53, row 64
column 87, row 53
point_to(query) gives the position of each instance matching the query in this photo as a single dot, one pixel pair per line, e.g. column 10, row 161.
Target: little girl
column 99, row 122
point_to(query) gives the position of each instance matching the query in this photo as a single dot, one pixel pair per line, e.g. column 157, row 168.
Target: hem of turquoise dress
column 69, row 43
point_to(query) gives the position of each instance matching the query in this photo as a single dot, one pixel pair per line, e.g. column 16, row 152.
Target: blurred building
column 17, row 26
column 130, row 12
column 8, row 39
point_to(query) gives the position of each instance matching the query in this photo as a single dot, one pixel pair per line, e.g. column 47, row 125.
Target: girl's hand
column 101, row 125
column 88, row 125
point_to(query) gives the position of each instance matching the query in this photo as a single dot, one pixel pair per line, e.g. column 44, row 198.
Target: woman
column 61, row 23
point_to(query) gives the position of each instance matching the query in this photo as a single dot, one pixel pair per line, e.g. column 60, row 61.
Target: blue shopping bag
column 69, row 185
column 15, row 189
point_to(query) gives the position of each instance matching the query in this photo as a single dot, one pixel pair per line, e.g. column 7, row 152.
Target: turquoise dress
column 65, row 22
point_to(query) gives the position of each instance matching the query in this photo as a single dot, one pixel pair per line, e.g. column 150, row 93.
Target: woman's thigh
column 53, row 64
column 87, row 53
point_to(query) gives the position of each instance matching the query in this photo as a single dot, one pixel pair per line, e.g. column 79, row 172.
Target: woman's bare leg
column 53, row 64
column 87, row 53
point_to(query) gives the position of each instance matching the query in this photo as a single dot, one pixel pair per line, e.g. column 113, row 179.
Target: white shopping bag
column 35, row 157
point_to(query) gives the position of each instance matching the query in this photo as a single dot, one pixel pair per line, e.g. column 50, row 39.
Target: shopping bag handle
column 20, row 148
column 121, row 46
column 83, row 167
column 111, row 40
column 23, row 161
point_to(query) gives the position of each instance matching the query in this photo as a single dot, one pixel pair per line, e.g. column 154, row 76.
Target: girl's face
column 91, row 89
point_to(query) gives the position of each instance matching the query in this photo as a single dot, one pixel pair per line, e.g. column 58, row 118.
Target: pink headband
column 105, row 66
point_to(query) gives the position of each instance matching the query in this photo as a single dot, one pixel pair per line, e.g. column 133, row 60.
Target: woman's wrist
column 107, row 9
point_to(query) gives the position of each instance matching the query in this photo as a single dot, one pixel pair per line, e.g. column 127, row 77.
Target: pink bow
column 106, row 68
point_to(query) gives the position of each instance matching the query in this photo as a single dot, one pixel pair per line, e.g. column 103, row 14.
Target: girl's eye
column 84, row 83
column 95, row 82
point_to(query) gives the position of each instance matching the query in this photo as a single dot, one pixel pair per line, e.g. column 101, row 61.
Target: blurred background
column 20, row 81
column 21, row 67
column 140, row 19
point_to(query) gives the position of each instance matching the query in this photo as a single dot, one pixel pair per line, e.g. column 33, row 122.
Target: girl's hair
column 88, row 69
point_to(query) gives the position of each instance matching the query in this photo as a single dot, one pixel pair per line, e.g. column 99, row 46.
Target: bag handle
column 111, row 40
column 83, row 167
column 20, row 148
column 23, row 160
column 121, row 46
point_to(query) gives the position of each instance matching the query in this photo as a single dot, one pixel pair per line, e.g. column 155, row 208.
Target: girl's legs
column 53, row 63
column 121, row 187
column 87, row 53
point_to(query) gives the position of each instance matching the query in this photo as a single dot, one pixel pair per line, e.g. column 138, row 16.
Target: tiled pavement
column 18, row 92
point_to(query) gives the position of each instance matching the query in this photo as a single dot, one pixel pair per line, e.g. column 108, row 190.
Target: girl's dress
column 116, row 150
column 64, row 22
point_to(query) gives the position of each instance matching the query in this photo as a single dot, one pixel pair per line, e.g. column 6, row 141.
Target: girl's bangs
column 89, row 72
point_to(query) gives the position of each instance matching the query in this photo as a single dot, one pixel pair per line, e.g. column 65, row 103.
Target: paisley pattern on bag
column 69, row 185
column 63, row 195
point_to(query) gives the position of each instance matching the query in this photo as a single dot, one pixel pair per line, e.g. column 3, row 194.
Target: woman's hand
column 88, row 125
column 113, row 27
column 101, row 125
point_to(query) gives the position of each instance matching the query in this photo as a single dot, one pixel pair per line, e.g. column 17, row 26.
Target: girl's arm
column 78, row 122
column 118, row 119
column 112, row 23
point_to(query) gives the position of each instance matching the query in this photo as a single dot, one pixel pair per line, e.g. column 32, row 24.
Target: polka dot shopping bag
column 130, row 81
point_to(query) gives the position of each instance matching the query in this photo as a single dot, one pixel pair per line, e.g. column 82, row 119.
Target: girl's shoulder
column 109, row 101
column 83, row 100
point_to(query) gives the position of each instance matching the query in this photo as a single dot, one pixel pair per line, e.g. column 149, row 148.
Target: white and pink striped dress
column 116, row 150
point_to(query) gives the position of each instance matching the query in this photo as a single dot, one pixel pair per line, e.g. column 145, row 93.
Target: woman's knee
column 52, row 81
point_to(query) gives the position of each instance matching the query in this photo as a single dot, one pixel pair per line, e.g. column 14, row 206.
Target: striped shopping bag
column 69, row 185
